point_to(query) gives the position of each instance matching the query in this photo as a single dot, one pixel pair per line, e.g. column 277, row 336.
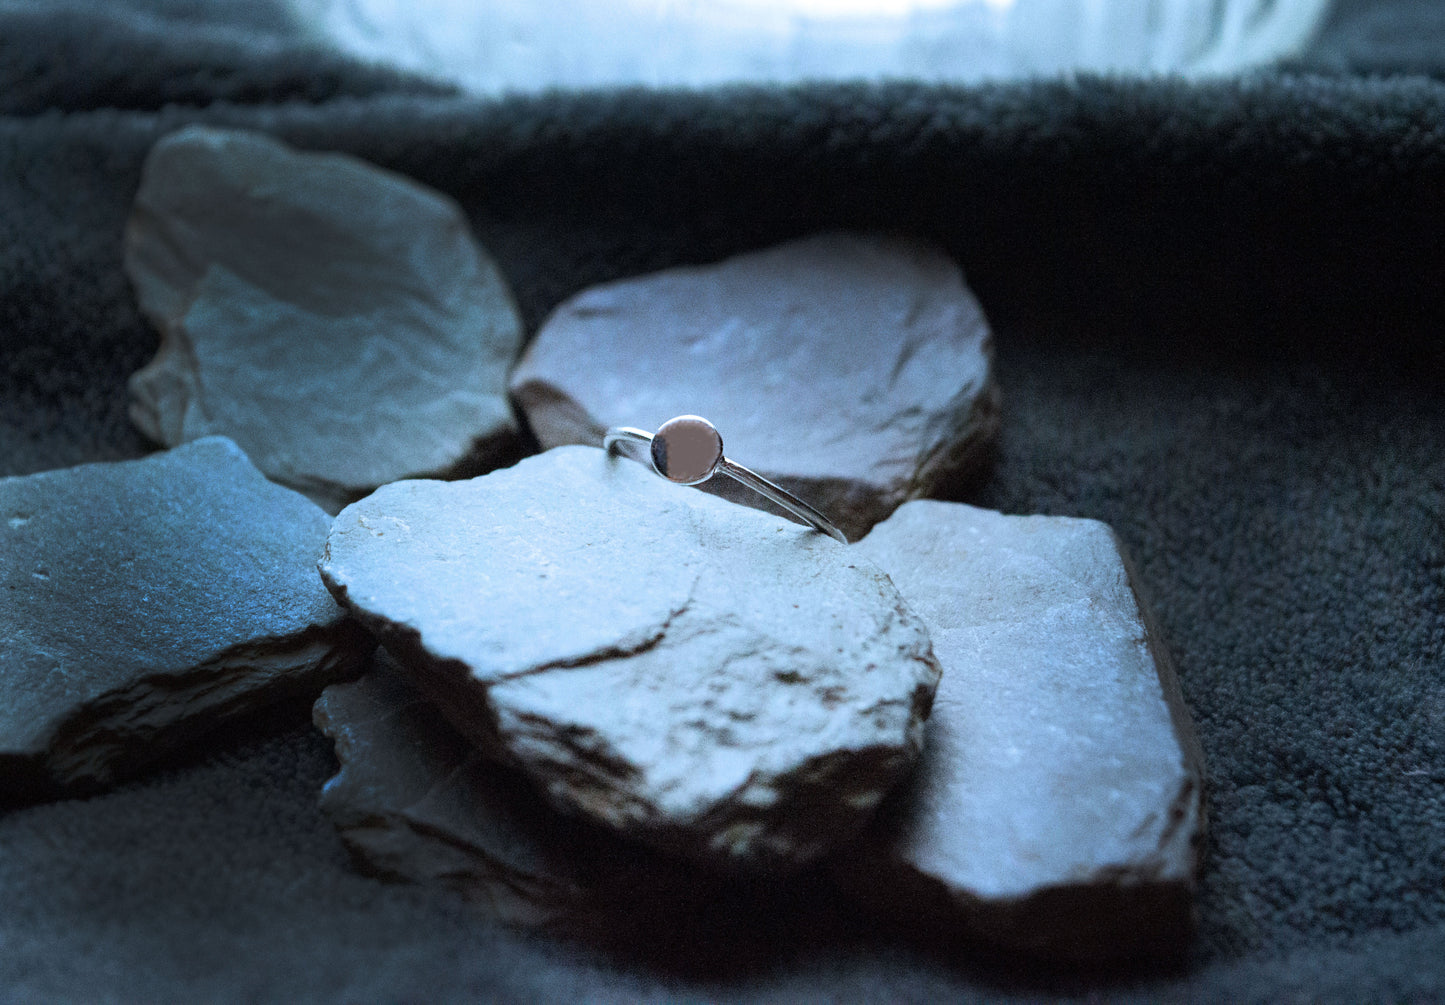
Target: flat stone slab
column 1058, row 806
column 145, row 602
column 703, row 677
column 854, row 371
column 416, row 800
column 336, row 320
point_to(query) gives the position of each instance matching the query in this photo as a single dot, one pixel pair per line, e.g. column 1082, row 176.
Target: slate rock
column 703, row 677
column 415, row 800
column 855, row 371
column 336, row 320
column 1058, row 806
column 146, row 602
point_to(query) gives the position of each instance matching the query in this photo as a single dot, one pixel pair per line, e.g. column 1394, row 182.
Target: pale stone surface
column 854, row 371
column 146, row 601
column 1058, row 807
column 336, row 320
column 415, row 800
column 701, row 676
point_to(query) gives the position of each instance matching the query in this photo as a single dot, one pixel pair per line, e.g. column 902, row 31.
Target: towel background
column 1219, row 312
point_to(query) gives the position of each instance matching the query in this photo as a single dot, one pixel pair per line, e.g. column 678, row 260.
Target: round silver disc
column 687, row 449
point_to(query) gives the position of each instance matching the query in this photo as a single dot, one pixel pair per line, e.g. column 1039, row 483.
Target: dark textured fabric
column 1380, row 36
column 1219, row 315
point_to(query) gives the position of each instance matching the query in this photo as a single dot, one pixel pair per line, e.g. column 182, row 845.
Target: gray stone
column 416, row 800
column 147, row 601
column 336, row 320
column 854, row 371
column 701, row 676
column 1058, row 807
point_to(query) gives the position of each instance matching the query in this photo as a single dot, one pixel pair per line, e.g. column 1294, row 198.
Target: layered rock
column 701, row 676
column 336, row 320
column 146, row 602
column 416, row 800
column 854, row 371
column 1058, row 808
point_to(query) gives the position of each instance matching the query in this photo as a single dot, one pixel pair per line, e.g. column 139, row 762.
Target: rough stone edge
column 1189, row 803
column 500, row 449
column 622, row 887
column 114, row 736
column 377, row 842
column 489, row 452
column 1077, row 923
column 967, row 450
column 568, row 421
column 167, row 375
column 446, row 683
column 449, row 684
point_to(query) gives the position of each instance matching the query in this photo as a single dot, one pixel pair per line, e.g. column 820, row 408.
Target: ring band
column 688, row 450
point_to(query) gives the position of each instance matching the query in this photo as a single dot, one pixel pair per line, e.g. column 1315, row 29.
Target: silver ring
column 688, row 450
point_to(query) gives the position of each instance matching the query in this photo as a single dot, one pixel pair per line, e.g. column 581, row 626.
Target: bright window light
column 525, row 45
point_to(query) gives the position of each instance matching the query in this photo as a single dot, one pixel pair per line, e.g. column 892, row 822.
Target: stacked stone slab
column 148, row 601
column 337, row 321
column 702, row 677
column 416, row 800
column 855, row 371
column 1059, row 805
column 601, row 682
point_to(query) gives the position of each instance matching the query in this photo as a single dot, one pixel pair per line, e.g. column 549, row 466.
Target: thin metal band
column 621, row 435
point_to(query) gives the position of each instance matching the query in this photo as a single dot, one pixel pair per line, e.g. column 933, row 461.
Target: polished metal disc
column 687, row 449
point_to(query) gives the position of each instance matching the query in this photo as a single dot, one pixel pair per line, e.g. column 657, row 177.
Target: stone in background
column 147, row 601
column 336, row 320
column 854, row 371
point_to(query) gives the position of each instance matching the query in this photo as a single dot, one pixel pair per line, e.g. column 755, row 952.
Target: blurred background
column 520, row 45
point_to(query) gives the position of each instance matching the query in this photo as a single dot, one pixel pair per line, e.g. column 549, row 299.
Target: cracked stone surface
column 336, row 320
column 416, row 800
column 704, row 677
column 1058, row 808
column 855, row 371
column 147, row 601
